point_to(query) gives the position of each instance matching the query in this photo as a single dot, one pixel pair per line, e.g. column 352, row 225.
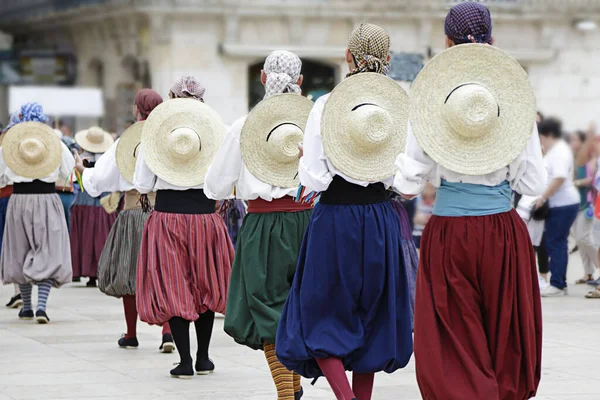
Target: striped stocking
column 297, row 382
column 284, row 381
column 26, row 295
column 43, row 293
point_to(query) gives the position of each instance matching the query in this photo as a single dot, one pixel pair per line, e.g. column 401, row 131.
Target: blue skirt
column 3, row 205
column 350, row 297
column 67, row 199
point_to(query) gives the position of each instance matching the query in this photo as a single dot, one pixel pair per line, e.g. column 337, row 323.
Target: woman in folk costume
column 35, row 249
column 184, row 264
column 259, row 158
column 90, row 219
column 113, row 172
column 478, row 321
column 349, row 307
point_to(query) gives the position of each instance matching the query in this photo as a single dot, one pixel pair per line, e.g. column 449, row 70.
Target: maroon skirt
column 184, row 266
column 478, row 317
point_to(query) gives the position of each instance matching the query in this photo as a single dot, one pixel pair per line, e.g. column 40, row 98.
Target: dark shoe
column 42, row 317
column 128, row 343
column 574, row 250
column 298, row 395
column 205, row 367
column 15, row 302
column 26, row 314
column 167, row 345
column 91, row 283
column 76, row 280
column 183, row 371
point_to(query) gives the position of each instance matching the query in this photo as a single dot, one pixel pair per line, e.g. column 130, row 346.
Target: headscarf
column 29, row 112
column 188, row 87
column 469, row 23
column 146, row 100
column 370, row 46
column 283, row 71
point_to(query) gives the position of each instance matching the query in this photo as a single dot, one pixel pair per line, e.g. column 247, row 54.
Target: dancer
column 349, row 306
column 113, row 172
column 478, row 321
column 187, row 279
column 259, row 158
column 90, row 222
column 35, row 249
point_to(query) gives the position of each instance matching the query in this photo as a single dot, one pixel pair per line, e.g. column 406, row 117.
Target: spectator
column 563, row 202
column 424, row 209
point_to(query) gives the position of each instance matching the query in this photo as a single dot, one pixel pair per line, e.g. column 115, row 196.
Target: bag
column 541, row 213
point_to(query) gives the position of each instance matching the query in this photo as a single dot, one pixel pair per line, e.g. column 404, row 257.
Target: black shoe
column 15, row 302
column 42, row 317
column 167, row 345
column 91, row 283
column 183, row 371
column 205, row 367
column 298, row 395
column 128, row 343
column 574, row 250
column 26, row 314
column 78, row 279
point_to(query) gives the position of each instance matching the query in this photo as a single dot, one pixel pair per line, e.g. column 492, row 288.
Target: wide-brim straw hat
column 94, row 140
column 127, row 150
column 473, row 109
column 180, row 139
column 270, row 137
column 364, row 126
column 32, row 150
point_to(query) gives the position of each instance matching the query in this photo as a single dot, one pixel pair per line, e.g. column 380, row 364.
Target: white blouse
column 315, row 171
column 105, row 176
column 60, row 174
column 145, row 181
column 526, row 174
column 228, row 171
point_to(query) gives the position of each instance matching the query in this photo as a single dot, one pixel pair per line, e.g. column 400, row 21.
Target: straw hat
column 364, row 124
column 270, row 137
column 180, row 139
column 94, row 140
column 31, row 150
column 473, row 109
column 127, row 150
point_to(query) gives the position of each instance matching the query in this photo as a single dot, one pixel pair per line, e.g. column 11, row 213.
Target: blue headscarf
column 29, row 112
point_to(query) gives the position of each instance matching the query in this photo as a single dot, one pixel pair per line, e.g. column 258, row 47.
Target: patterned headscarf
column 146, row 100
column 29, row 112
column 283, row 71
column 188, row 87
column 469, row 23
column 370, row 46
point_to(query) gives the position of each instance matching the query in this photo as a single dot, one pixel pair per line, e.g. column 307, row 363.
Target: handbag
column 541, row 213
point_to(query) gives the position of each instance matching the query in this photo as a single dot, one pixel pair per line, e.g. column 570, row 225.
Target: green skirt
column 263, row 271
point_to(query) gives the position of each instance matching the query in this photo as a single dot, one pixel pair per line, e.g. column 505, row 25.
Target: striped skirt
column 183, row 267
column 118, row 262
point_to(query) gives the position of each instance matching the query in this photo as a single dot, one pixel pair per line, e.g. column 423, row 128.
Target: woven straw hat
column 270, row 137
column 94, row 140
column 473, row 109
column 31, row 150
column 364, row 126
column 127, row 150
column 180, row 139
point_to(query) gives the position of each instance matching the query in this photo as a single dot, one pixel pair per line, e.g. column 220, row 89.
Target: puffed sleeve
column 105, row 176
column 527, row 174
column 312, row 170
column 67, row 164
column 414, row 167
column 143, row 178
column 224, row 172
column 4, row 181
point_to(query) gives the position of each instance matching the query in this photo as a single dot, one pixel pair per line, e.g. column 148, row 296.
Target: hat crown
column 183, row 142
column 283, row 141
column 471, row 110
column 95, row 135
column 370, row 125
column 32, row 150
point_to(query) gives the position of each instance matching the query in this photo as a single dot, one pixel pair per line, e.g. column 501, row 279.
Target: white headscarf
column 283, row 71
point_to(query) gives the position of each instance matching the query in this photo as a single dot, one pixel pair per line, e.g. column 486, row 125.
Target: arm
column 414, row 167
column 224, row 172
column 552, row 188
column 312, row 170
column 584, row 183
column 143, row 178
column 105, row 176
column 527, row 174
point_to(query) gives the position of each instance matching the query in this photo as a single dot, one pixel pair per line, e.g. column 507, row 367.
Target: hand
column 539, row 203
column 78, row 163
column 408, row 196
column 301, row 148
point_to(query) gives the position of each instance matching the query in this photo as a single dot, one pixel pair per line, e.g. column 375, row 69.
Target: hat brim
column 264, row 117
column 95, row 148
column 29, row 130
column 127, row 150
column 181, row 113
column 493, row 69
column 359, row 162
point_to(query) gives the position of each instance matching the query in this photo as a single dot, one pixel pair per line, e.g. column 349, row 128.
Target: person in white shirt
column 563, row 201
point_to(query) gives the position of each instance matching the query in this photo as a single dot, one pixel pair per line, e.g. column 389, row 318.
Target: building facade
column 123, row 45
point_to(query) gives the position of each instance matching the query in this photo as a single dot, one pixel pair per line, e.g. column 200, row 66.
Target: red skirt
column 478, row 316
column 183, row 266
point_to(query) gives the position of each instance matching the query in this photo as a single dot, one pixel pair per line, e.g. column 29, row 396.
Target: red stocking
column 166, row 328
column 362, row 385
column 131, row 314
column 334, row 371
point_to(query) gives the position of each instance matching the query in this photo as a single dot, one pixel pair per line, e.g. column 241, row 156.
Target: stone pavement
column 75, row 357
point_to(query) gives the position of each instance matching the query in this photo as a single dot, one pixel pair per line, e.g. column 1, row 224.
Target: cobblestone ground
column 76, row 357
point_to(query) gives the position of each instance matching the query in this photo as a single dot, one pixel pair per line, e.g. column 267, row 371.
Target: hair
column 550, row 127
column 581, row 135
